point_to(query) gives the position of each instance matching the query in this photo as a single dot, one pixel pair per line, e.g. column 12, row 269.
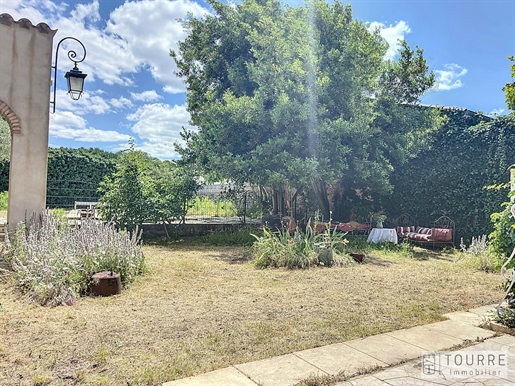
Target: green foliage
column 4, row 175
column 5, row 140
column 470, row 152
column 505, row 316
column 75, row 174
column 145, row 189
column 128, row 196
column 54, row 262
column 240, row 235
column 281, row 93
column 477, row 255
column 502, row 239
column 4, row 200
column 303, row 249
column 509, row 89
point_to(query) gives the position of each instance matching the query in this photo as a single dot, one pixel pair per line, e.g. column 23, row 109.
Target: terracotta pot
column 106, row 283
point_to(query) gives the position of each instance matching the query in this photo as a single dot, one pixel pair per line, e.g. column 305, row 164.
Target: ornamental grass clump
column 302, row 249
column 53, row 262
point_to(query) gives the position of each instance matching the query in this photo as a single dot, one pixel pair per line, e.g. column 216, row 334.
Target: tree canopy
column 509, row 89
column 302, row 95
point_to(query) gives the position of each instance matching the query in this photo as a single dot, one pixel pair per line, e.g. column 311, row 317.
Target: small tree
column 129, row 196
column 146, row 189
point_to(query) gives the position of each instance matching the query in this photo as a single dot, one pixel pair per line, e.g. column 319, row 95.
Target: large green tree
column 298, row 94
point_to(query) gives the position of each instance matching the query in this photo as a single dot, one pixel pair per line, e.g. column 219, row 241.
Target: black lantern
column 75, row 83
column 74, row 77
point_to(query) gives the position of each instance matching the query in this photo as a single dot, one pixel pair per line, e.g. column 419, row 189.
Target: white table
column 379, row 235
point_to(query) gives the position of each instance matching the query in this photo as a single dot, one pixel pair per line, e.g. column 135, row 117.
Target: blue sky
column 131, row 90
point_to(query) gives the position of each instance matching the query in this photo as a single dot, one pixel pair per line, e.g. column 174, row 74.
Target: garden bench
column 440, row 233
column 85, row 208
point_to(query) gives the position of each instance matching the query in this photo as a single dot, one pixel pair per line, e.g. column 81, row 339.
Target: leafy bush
column 300, row 250
column 505, row 316
column 502, row 239
column 54, row 262
column 145, row 189
column 4, row 197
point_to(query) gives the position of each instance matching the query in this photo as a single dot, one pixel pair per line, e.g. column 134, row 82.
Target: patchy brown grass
column 203, row 308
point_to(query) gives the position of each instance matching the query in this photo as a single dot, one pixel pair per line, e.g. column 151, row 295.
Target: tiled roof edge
column 8, row 20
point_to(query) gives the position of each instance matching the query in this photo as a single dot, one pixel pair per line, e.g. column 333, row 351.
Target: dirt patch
column 201, row 308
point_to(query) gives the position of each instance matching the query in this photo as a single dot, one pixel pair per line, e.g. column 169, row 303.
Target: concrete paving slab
column 364, row 381
column 336, row 357
column 386, row 348
column 486, row 382
column 228, row 376
column 467, row 317
column 485, row 311
column 283, row 370
column 426, row 339
column 460, row 330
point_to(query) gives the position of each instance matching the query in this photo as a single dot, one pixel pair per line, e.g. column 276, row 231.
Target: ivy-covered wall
column 469, row 153
column 73, row 174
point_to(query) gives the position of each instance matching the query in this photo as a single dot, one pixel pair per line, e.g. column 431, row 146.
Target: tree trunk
column 320, row 189
column 278, row 201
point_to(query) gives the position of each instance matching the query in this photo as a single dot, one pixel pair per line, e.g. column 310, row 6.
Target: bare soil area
column 203, row 308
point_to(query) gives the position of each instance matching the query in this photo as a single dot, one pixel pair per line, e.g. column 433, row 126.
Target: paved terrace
column 395, row 356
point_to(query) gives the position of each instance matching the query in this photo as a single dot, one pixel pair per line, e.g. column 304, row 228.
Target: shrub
column 502, row 239
column 300, row 250
column 54, row 262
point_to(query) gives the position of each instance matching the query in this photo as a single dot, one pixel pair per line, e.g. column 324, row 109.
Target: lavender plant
column 54, row 262
column 478, row 255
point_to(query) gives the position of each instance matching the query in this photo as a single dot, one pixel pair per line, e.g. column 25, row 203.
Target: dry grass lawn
column 203, row 308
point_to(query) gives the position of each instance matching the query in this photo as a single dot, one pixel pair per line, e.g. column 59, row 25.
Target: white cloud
column 146, row 96
column 137, row 37
column 71, row 126
column 90, row 102
column 497, row 112
column 448, row 79
column 392, row 34
column 121, row 102
column 150, row 29
column 158, row 125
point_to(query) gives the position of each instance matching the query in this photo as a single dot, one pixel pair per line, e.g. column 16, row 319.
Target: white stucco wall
column 25, row 80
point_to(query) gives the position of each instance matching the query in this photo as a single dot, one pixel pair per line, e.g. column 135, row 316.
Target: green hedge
column 75, row 174
column 469, row 153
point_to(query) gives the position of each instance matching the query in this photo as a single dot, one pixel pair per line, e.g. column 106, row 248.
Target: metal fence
column 212, row 204
column 220, row 203
column 73, row 191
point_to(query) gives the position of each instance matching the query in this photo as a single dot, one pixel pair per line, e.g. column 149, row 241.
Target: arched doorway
column 25, row 67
